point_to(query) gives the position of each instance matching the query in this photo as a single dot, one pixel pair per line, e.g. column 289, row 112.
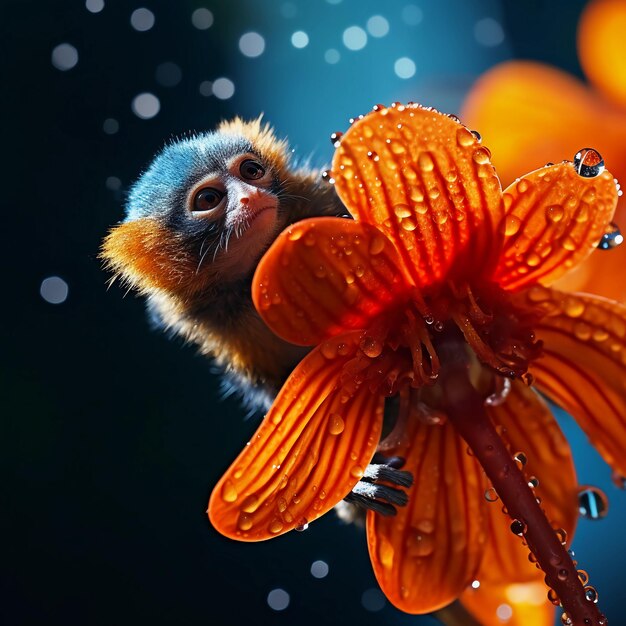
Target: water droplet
column 356, row 471
column 533, row 259
column 491, row 495
column 591, row 594
column 250, row 504
column 371, row 347
column 244, row 522
column 522, row 186
column 385, row 551
column 328, row 350
column 335, row 424
column 518, row 527
column 561, row 535
column 555, row 213
column 373, row 156
column 573, row 306
column 533, row 482
column 592, row 503
column 521, row 459
column 229, row 493
column 402, row 211
column 320, row 271
column 565, row 620
column 282, row 505
column 553, row 597
column 481, row 156
column 583, row 577
column 335, row 138
column 477, row 135
column 425, row 162
column 511, row 225
column 350, row 278
column 464, row 137
column 588, row 163
column 612, row 238
column 408, row 224
column 275, row 526
column 377, row 245
column 562, row 574
column 424, row 544
column 302, row 525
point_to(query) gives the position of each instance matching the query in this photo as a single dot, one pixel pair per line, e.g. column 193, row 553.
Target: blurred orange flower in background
column 531, row 113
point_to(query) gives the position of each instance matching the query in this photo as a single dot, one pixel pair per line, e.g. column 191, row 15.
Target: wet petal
column 325, row 276
column 554, row 220
column 518, row 604
column 429, row 552
column 529, row 114
column 583, row 367
column 311, row 449
column 602, row 47
column 426, row 182
column 527, row 425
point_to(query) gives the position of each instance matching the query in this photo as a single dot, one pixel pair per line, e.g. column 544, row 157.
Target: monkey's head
column 205, row 210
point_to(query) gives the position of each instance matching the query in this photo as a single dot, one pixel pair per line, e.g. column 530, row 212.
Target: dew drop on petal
column 612, row 238
column 491, row 495
column 512, row 224
column 336, row 424
column 275, row 526
column 229, row 493
column 554, row 213
column 302, row 525
column 588, row 163
column 592, row 503
column 371, row 347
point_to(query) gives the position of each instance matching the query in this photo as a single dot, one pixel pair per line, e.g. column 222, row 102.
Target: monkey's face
column 240, row 204
column 204, row 212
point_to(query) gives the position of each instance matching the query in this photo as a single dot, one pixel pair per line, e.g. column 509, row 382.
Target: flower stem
column 466, row 412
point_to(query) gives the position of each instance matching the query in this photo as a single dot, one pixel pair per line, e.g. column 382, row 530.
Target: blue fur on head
column 179, row 165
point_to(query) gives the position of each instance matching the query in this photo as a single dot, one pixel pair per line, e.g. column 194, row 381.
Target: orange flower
column 437, row 292
column 531, row 113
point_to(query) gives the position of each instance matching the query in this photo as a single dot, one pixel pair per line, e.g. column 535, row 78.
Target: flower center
column 400, row 348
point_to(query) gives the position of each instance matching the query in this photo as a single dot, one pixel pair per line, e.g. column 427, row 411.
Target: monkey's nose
column 244, row 200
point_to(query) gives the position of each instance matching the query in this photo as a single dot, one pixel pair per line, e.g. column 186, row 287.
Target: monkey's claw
column 371, row 493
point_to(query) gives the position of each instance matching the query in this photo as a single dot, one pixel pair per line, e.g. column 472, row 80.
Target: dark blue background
column 112, row 435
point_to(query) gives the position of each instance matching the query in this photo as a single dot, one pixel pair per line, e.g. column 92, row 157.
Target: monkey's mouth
column 260, row 217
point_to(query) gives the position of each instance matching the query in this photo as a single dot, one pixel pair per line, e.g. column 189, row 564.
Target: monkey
column 198, row 221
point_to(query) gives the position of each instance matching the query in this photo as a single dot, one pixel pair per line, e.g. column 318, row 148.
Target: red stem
column 466, row 412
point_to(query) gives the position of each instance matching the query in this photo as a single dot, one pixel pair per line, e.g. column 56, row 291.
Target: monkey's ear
column 146, row 255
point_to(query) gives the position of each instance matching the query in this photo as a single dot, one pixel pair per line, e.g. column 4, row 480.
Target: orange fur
column 146, row 255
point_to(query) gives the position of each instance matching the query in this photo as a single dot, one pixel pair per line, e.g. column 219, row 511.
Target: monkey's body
column 195, row 267
column 197, row 222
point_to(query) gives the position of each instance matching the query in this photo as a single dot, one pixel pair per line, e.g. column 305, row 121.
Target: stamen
column 374, row 491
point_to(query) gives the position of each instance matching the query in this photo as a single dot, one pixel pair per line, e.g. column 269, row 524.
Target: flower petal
column 308, row 453
column 428, row 553
column 554, row 220
column 517, row 604
column 325, row 276
column 583, row 367
column 602, row 47
column 528, row 426
column 426, row 182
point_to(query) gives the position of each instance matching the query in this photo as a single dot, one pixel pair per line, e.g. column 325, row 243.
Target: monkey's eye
column 207, row 199
column 251, row 169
